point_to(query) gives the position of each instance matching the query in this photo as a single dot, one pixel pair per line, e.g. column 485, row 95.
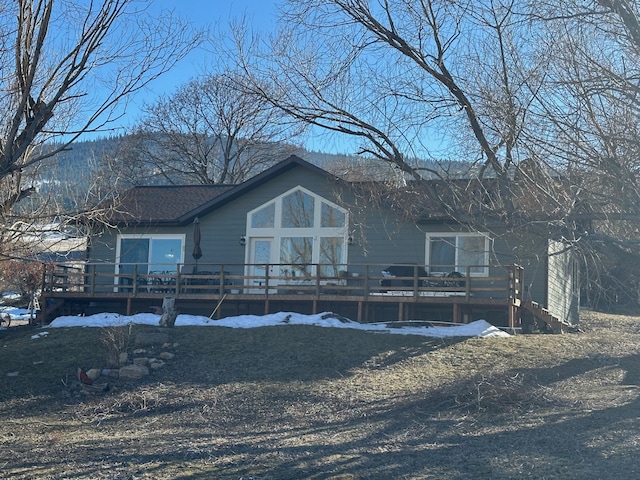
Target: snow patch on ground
column 479, row 328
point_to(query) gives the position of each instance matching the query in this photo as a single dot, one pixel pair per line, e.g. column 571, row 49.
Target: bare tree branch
column 65, row 69
column 208, row 132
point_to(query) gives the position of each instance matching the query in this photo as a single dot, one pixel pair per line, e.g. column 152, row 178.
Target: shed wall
column 563, row 289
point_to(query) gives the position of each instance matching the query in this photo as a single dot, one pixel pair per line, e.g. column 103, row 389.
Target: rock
column 167, row 355
column 141, row 361
column 140, row 351
column 146, row 339
column 133, row 372
column 123, row 358
column 96, row 388
column 94, row 373
column 156, row 364
column 167, row 346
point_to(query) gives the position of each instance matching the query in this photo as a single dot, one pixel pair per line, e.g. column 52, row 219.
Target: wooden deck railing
column 368, row 281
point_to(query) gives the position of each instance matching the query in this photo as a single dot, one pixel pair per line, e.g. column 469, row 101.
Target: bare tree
column 67, row 68
column 407, row 77
column 541, row 98
column 207, row 132
column 585, row 122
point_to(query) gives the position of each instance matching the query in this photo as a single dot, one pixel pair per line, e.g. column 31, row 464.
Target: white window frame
column 277, row 232
column 460, row 268
column 150, row 236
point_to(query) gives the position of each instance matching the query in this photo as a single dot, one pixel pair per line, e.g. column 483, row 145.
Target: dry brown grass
column 304, row 402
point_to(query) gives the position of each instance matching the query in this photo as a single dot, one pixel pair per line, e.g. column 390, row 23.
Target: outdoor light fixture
column 243, row 240
column 350, row 239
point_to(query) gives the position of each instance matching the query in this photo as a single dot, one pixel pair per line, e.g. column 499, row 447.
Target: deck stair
column 54, row 307
column 554, row 323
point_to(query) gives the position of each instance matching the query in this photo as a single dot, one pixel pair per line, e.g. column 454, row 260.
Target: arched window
column 298, row 230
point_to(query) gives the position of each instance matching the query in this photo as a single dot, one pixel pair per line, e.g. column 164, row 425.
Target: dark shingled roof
column 178, row 205
column 163, row 204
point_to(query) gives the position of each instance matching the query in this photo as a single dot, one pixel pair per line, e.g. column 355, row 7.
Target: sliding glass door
column 144, row 254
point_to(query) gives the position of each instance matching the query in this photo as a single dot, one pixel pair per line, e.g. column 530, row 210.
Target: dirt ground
column 300, row 402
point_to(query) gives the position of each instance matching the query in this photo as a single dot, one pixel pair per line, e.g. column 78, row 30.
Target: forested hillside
column 84, row 161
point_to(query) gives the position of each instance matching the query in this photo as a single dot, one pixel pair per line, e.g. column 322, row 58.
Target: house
column 295, row 237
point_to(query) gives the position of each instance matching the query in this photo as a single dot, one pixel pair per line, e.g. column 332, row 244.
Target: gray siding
column 379, row 237
column 530, row 253
column 102, row 248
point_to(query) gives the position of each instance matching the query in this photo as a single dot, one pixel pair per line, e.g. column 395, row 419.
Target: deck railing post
column 520, row 284
column 366, row 281
column 467, row 283
column 44, row 278
column 179, row 268
column 516, row 279
column 92, row 278
column 135, row 279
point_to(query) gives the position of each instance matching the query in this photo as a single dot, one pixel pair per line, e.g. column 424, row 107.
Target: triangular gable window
column 332, row 216
column 264, row 217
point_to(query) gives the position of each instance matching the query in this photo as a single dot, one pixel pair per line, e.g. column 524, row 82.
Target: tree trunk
column 169, row 312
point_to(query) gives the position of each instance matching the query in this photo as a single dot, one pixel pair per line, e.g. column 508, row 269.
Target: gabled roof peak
column 179, row 204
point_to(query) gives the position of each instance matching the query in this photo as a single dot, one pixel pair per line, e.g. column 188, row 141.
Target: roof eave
column 254, row 182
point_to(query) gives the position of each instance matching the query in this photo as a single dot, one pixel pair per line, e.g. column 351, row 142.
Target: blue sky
column 215, row 14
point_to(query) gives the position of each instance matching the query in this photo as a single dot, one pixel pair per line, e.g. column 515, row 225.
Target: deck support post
column 457, row 318
column 513, row 315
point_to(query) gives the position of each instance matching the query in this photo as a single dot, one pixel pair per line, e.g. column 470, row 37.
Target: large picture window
column 449, row 252
column 296, row 256
column 304, row 230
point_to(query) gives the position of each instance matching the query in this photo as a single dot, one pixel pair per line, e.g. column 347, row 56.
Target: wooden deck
column 364, row 293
